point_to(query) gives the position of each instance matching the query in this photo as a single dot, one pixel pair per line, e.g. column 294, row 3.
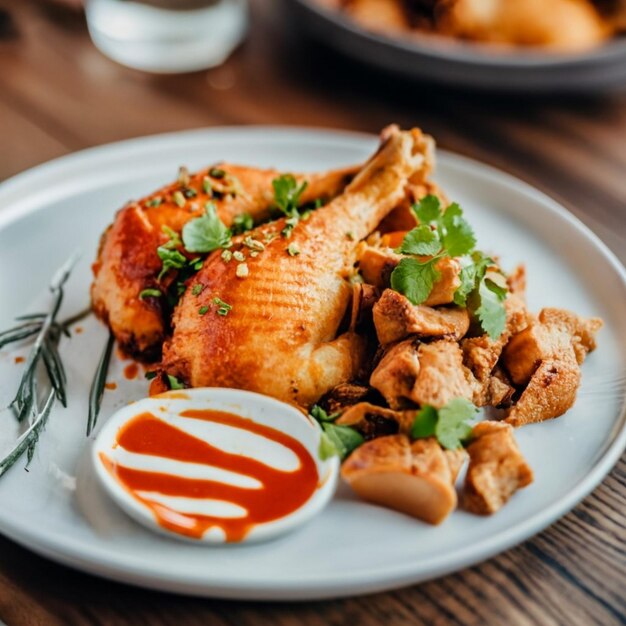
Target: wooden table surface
column 59, row 94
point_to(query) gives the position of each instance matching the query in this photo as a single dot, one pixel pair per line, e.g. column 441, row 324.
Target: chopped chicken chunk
column 496, row 469
column 374, row 421
column 413, row 478
column 550, row 392
column 396, row 318
column 423, row 373
column 546, row 358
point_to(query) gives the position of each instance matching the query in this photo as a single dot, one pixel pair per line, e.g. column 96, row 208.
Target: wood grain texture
column 58, row 94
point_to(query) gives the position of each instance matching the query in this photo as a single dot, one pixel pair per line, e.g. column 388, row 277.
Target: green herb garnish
column 216, row 172
column 206, row 233
column 174, row 383
column 293, row 250
column 150, row 375
column 242, row 223
column 223, row 307
column 451, row 424
column 197, row 289
column 179, row 199
column 335, row 439
column 150, row 293
column 203, row 310
column 447, row 234
column 287, row 194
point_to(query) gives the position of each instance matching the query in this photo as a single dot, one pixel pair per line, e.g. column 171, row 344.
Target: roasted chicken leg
column 279, row 336
column 128, row 263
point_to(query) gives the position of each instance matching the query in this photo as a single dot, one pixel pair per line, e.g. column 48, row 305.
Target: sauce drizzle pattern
column 282, row 492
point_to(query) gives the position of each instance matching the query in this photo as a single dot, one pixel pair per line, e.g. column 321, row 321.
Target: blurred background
column 551, row 113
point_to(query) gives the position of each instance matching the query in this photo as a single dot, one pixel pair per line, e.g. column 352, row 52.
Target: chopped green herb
column 242, row 270
column 321, row 415
column 223, row 307
column 326, row 448
column 174, row 382
column 253, row 244
column 451, row 424
column 150, row 375
column 226, row 255
column 197, row 289
column 242, row 223
column 172, row 259
column 156, row 201
column 238, row 255
column 345, row 439
column 150, row 293
column 179, row 199
column 189, row 192
column 422, row 241
column 287, row 194
column 425, row 422
column 216, row 172
column 491, row 312
column 206, row 233
column 415, row 279
column 203, row 310
column 183, row 175
column 290, row 224
column 206, row 186
column 292, row 249
column 174, row 241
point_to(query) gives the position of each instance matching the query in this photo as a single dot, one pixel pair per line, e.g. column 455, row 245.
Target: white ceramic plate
column 57, row 508
column 467, row 64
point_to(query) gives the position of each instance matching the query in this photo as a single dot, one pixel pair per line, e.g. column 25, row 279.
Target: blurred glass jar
column 167, row 36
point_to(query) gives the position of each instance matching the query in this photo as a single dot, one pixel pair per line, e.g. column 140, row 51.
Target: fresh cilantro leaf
column 344, row 438
column 421, row 241
column 172, row 259
column 491, row 312
column 414, row 279
column 287, row 194
column 174, row 241
column 327, row 447
column 242, row 223
column 174, row 382
column 428, row 209
column 458, row 237
column 206, row 233
column 468, row 284
column 453, row 425
column 425, row 422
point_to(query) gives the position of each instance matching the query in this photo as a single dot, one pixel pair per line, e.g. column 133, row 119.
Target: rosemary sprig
column 97, row 386
column 48, row 333
column 28, row 440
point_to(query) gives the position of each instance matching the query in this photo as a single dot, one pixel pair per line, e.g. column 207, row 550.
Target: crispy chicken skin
column 280, row 336
column 496, row 469
column 415, row 478
column 127, row 259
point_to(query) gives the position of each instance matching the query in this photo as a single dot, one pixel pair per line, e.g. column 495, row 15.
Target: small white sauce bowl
column 260, row 409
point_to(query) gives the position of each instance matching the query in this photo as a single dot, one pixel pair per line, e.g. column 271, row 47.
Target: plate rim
column 317, row 587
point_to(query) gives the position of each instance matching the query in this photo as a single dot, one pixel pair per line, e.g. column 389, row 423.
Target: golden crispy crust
column 496, row 469
column 293, row 303
column 128, row 262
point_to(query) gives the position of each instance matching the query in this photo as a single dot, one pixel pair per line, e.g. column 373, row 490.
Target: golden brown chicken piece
column 127, row 260
column 496, row 470
column 415, row 478
column 287, row 302
column 546, row 357
column 396, row 318
column 423, row 373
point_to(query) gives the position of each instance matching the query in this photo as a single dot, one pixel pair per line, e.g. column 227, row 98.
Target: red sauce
column 282, row 492
column 111, row 386
column 131, row 371
column 19, row 359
